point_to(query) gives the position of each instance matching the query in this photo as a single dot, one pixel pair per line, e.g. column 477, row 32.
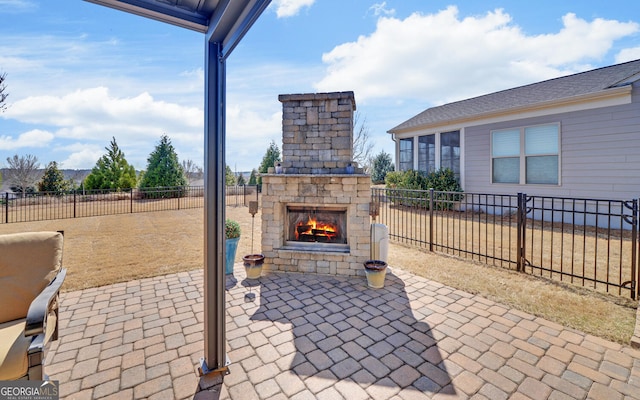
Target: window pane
column 427, row 153
column 542, row 170
column 505, row 143
column 451, row 139
column 541, row 139
column 450, row 151
column 506, row 170
column 406, row 154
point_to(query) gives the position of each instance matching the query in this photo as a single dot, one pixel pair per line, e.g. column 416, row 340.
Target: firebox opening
column 311, row 226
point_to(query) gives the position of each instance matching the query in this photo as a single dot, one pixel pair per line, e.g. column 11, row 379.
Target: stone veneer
column 317, row 149
column 317, row 132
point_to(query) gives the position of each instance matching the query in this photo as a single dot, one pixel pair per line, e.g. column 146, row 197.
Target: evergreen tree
column 240, row 180
column 163, row 167
column 253, row 178
column 229, row 176
column 270, row 158
column 380, row 166
column 112, row 171
column 53, row 180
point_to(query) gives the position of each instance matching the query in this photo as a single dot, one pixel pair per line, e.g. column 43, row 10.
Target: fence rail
column 589, row 242
column 40, row 206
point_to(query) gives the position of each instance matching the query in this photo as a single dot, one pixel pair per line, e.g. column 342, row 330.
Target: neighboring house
column 573, row 136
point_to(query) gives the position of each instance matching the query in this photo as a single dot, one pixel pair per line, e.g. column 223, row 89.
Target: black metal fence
column 589, row 242
column 40, row 206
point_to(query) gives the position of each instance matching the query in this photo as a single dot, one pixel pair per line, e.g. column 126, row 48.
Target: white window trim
column 523, row 158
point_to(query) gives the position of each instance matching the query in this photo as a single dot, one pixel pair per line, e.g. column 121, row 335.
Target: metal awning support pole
column 215, row 358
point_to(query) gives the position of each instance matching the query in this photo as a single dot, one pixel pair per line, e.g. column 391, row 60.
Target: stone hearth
column 317, row 171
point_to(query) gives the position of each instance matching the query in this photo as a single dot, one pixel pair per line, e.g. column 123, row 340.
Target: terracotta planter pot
column 253, row 265
column 376, row 270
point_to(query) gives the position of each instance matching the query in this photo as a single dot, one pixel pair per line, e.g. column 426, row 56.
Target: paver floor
column 303, row 336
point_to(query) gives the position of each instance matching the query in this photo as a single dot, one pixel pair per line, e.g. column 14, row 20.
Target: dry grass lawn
column 117, row 248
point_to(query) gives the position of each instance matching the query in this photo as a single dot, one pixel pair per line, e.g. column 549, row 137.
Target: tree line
column 111, row 172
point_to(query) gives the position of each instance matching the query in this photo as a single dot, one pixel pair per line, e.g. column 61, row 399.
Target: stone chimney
column 317, row 133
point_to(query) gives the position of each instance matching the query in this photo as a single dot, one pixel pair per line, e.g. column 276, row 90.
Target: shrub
column 412, row 188
column 231, row 229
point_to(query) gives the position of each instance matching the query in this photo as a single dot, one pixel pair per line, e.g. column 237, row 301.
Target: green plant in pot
column 232, row 237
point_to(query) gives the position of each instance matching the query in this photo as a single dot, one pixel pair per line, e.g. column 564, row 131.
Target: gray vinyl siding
column 600, row 154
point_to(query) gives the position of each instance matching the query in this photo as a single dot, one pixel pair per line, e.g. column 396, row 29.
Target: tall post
column 635, row 276
column 431, row 203
column 214, row 210
column 520, row 215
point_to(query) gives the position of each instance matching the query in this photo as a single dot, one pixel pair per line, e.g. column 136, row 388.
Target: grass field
column 116, row 248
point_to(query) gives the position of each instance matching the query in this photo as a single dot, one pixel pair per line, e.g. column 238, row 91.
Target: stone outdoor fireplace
column 315, row 203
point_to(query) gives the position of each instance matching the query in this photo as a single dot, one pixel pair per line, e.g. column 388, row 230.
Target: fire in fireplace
column 317, row 225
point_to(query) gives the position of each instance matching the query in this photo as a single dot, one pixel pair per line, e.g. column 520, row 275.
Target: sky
column 79, row 74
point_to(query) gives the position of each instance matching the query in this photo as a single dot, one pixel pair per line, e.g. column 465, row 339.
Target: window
column 427, row 153
column 406, row 154
column 527, row 155
column 450, row 152
column 435, row 151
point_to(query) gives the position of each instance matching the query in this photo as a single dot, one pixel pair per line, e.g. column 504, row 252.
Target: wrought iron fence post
column 74, row 204
column 635, row 276
column 431, row 192
column 131, row 201
column 6, row 207
column 520, row 234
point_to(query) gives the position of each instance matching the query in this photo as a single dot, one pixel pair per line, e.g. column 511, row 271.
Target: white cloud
column 85, row 113
column 32, row 138
column 80, row 155
column 94, row 116
column 290, row 8
column 442, row 57
column 381, row 9
column 629, row 54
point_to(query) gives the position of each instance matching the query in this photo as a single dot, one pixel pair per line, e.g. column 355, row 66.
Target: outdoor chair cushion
column 28, row 263
column 13, row 350
column 14, row 345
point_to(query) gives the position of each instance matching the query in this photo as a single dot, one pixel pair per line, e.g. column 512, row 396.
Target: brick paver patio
column 295, row 336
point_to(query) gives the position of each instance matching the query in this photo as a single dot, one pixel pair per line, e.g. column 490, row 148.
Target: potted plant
column 232, row 236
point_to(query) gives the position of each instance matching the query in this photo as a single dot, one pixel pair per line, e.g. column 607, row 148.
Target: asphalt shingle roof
column 553, row 89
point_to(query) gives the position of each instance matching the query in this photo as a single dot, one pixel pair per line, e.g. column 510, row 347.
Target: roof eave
column 159, row 12
column 603, row 95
